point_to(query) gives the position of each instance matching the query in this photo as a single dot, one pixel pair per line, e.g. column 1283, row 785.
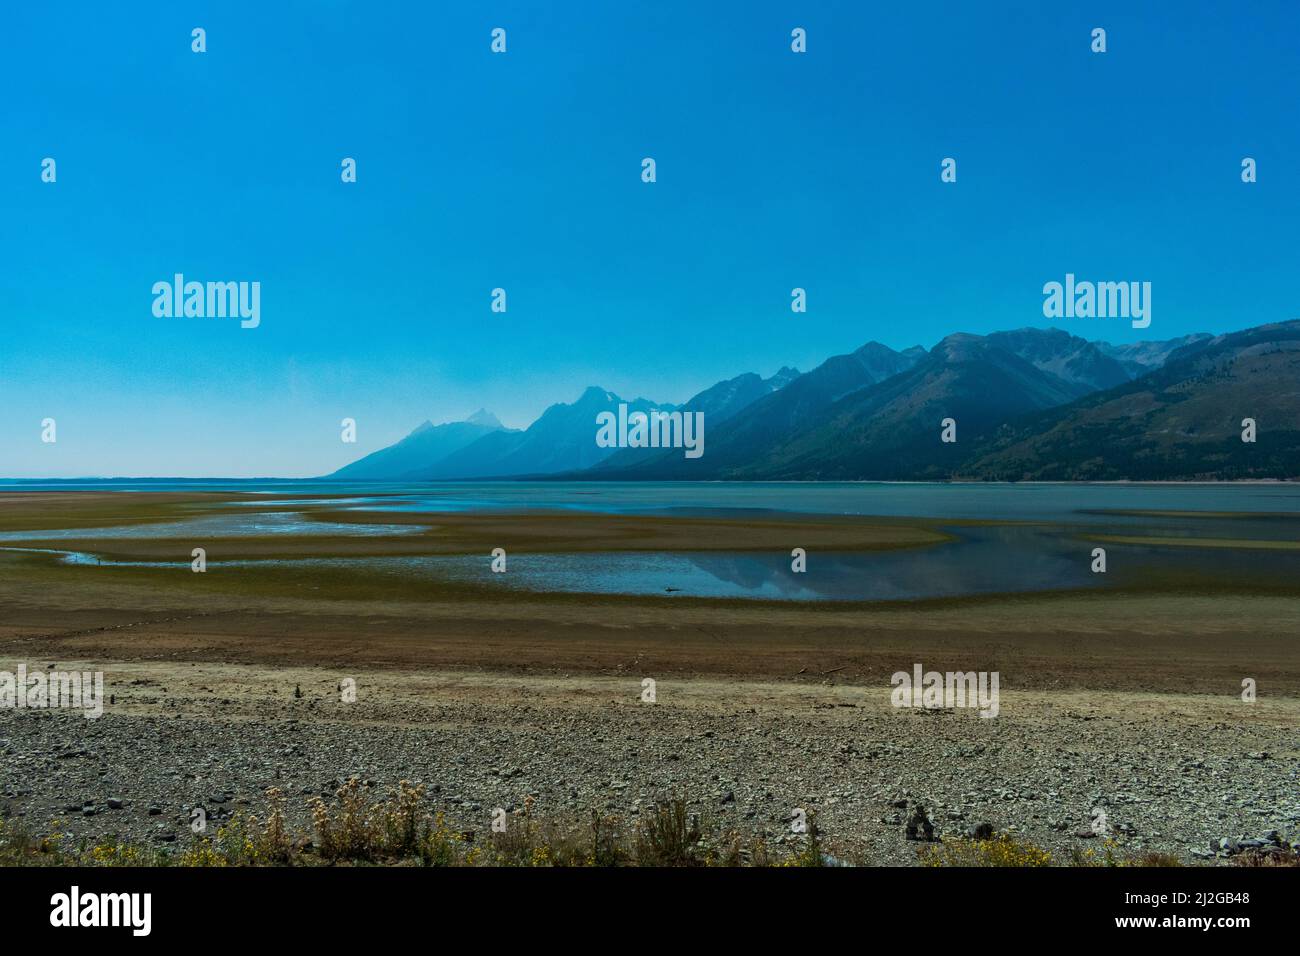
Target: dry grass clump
column 1269, row 856
column 358, row 828
column 400, row 829
column 1001, row 849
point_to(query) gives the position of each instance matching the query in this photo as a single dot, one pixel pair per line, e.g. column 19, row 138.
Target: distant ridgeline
column 1031, row 404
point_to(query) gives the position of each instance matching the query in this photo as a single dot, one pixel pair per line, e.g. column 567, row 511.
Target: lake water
column 1039, row 544
column 235, row 526
column 1022, row 502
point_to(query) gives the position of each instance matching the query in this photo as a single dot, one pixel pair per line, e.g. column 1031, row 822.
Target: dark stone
column 920, row 827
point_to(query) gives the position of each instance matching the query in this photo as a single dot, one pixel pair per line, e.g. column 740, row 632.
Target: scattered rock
column 920, row 827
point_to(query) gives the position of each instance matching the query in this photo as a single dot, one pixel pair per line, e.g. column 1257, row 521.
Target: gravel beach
column 1172, row 773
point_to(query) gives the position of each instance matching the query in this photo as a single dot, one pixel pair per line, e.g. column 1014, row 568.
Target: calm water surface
column 1039, row 545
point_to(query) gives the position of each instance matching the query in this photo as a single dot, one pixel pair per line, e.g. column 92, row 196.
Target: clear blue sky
column 522, row 171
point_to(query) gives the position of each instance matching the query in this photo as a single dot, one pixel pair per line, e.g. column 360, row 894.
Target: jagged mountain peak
column 485, row 418
column 783, row 377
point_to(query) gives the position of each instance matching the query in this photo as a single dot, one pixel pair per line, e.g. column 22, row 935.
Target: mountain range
column 428, row 443
column 1028, row 404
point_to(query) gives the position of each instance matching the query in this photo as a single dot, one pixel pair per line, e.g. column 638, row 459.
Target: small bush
column 667, row 836
column 437, row 845
column 1277, row 856
column 346, row 831
column 1109, row 856
column 999, row 850
column 273, row 843
column 19, row 848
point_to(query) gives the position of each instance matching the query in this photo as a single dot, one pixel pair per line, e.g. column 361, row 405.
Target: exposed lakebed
column 1001, row 538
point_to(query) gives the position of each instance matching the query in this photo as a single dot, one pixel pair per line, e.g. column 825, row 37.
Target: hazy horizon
column 356, row 451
